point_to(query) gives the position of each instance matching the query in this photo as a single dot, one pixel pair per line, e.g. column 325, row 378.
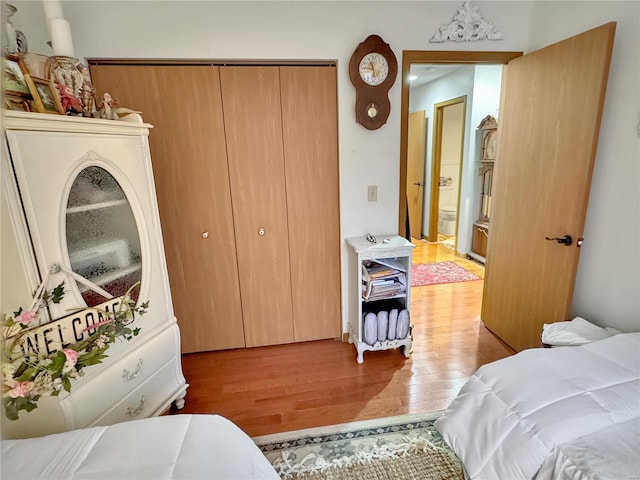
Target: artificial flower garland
column 27, row 376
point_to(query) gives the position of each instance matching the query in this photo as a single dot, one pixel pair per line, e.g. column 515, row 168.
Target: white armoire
column 81, row 198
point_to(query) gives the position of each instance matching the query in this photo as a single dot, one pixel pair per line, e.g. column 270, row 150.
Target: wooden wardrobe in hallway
column 246, row 173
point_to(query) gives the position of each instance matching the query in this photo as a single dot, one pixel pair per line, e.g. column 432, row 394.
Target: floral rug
column 407, row 447
column 440, row 272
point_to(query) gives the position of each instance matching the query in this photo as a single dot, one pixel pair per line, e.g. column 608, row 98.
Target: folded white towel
column 576, row 332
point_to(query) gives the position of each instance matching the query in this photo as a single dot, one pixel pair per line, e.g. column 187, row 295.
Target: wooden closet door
column 310, row 132
column 253, row 122
column 192, row 181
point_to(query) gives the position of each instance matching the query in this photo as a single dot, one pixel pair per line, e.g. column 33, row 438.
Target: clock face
column 373, row 69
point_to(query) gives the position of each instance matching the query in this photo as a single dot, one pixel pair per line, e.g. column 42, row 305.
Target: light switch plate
column 372, row 193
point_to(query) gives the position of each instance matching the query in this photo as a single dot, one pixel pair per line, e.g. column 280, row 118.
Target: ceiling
column 428, row 72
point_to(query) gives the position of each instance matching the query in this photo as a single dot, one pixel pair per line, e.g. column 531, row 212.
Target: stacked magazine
column 383, row 278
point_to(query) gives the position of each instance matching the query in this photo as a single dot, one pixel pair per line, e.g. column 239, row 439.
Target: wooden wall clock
column 373, row 69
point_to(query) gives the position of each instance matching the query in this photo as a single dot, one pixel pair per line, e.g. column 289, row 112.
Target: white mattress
column 513, row 413
column 167, row 447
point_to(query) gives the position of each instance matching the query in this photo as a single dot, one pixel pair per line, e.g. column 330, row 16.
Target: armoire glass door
column 102, row 235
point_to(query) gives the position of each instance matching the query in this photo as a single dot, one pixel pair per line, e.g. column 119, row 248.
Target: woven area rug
column 404, row 447
column 440, row 272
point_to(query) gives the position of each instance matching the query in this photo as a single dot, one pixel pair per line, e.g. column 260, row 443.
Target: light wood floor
column 288, row 387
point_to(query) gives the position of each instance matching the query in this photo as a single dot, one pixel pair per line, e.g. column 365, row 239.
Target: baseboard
column 345, row 337
column 476, row 257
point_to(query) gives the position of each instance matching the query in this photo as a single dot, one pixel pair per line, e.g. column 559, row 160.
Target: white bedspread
column 167, row 447
column 610, row 453
column 511, row 414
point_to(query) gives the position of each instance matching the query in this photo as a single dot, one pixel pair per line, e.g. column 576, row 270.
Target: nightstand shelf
column 381, row 283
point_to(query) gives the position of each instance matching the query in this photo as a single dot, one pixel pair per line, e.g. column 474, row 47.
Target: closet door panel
column 253, row 122
column 190, row 166
column 310, row 132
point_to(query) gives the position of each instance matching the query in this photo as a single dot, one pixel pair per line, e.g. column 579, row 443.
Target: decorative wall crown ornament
column 468, row 25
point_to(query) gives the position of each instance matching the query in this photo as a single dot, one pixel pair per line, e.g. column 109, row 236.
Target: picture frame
column 17, row 102
column 77, row 92
column 45, row 95
column 14, row 81
column 35, row 64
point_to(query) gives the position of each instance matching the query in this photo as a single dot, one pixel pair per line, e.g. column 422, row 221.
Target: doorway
column 565, row 74
column 445, row 65
column 446, row 172
column 438, row 59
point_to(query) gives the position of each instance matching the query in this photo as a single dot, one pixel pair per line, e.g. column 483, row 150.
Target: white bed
column 167, row 447
column 567, row 412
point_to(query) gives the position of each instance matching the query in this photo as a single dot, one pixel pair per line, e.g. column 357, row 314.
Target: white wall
column 332, row 30
column 607, row 289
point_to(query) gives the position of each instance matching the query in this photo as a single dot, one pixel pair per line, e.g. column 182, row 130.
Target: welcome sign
column 59, row 334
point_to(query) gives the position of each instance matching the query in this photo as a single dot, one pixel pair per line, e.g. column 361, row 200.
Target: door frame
column 436, row 161
column 410, row 57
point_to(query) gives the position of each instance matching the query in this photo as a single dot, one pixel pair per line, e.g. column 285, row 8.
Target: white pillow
column 383, row 322
column 370, row 333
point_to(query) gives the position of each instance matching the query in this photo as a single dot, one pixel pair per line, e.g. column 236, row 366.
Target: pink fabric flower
column 21, row 389
column 72, row 356
column 96, row 325
column 26, row 317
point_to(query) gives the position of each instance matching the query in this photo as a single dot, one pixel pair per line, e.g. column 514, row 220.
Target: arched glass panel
column 102, row 235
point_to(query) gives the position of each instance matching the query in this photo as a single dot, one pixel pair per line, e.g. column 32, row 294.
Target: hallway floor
column 431, row 252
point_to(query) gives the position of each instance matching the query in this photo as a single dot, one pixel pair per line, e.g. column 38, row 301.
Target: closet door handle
column 205, row 234
column 261, row 232
column 567, row 240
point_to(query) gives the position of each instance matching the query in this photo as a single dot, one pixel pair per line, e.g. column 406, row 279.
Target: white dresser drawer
column 147, row 398
column 93, row 398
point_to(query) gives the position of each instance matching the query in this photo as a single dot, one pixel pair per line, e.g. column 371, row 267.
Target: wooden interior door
column 550, row 115
column 253, row 123
column 310, row 134
column 415, row 170
column 190, row 167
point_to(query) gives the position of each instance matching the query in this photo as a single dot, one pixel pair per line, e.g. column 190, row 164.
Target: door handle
column 419, row 184
column 567, row 240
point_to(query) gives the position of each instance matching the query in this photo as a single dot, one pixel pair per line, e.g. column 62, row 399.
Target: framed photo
column 17, row 102
column 35, row 64
column 45, row 95
column 14, row 81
